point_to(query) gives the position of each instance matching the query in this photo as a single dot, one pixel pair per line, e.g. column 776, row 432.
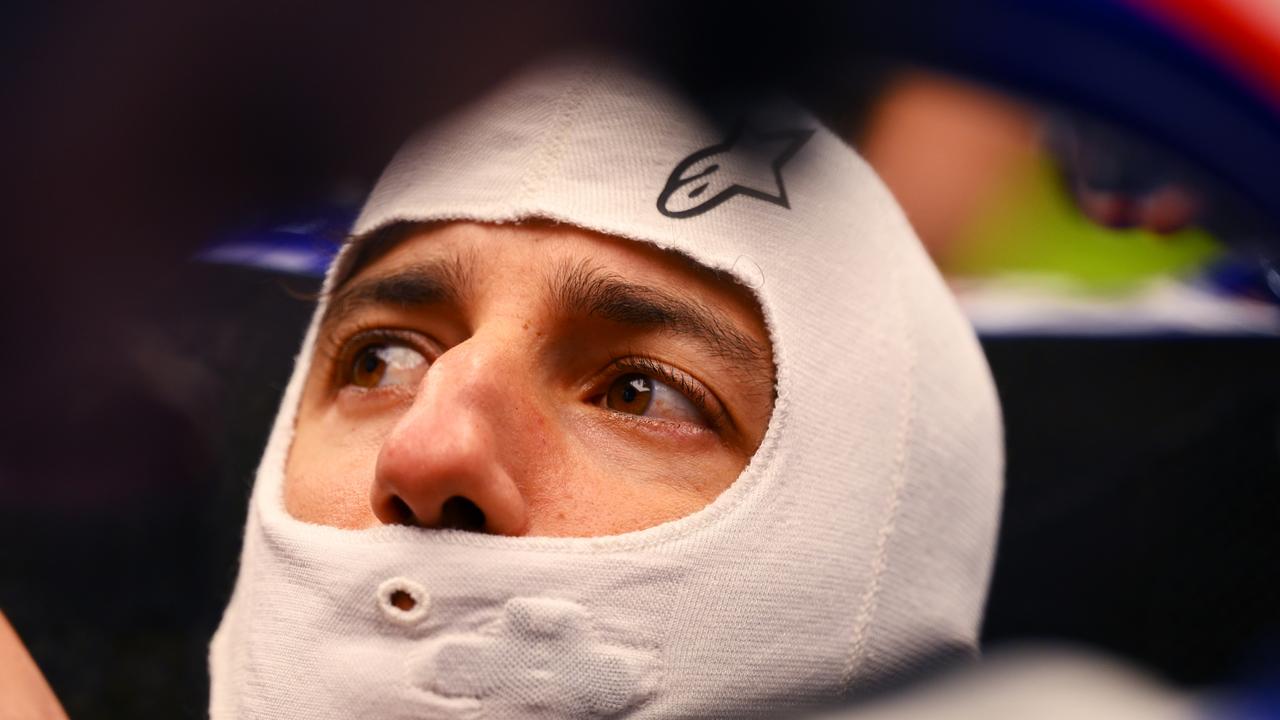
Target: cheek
column 330, row 470
column 611, row 480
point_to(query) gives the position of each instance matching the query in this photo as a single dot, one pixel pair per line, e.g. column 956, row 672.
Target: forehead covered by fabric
column 859, row 539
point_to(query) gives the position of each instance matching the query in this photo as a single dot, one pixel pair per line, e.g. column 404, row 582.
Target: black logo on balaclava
column 748, row 163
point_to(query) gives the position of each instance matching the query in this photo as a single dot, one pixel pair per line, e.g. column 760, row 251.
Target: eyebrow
column 575, row 288
column 413, row 286
column 582, row 289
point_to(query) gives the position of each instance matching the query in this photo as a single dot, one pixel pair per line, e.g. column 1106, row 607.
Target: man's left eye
column 637, row 394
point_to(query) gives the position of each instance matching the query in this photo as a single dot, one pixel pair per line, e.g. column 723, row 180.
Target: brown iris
column 630, row 393
column 369, row 367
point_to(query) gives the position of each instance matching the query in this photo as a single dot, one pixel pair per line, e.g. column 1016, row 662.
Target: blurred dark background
column 1142, row 476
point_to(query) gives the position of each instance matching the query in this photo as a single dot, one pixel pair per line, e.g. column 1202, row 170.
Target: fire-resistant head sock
column 855, row 546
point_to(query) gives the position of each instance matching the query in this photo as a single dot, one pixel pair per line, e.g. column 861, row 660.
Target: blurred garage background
column 1098, row 179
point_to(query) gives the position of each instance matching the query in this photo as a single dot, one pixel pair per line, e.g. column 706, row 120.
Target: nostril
column 401, row 512
column 459, row 513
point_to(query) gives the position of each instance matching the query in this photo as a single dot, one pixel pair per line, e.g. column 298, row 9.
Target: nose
column 442, row 465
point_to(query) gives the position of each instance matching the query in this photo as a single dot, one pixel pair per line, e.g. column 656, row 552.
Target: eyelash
column 688, row 387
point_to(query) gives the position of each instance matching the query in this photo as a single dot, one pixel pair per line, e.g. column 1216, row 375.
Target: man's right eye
column 386, row 365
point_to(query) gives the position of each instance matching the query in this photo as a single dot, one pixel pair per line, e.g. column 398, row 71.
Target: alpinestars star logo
column 748, row 163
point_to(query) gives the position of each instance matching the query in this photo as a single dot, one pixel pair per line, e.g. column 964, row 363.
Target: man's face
column 528, row 380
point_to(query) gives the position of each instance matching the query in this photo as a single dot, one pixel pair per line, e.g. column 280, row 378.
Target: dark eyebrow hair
column 417, row 285
column 583, row 289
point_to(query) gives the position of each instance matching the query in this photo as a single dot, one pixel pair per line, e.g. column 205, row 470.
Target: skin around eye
column 512, row 386
column 386, row 365
column 639, row 394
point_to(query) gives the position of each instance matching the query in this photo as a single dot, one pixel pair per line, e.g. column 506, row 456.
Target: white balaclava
column 855, row 547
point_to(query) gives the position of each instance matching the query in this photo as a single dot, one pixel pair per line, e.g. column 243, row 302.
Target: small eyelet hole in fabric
column 403, row 601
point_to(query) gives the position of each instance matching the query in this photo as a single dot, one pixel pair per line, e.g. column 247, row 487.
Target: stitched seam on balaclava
column 869, row 601
column 552, row 150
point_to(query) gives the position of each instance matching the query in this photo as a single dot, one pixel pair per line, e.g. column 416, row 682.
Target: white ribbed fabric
column 856, row 544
